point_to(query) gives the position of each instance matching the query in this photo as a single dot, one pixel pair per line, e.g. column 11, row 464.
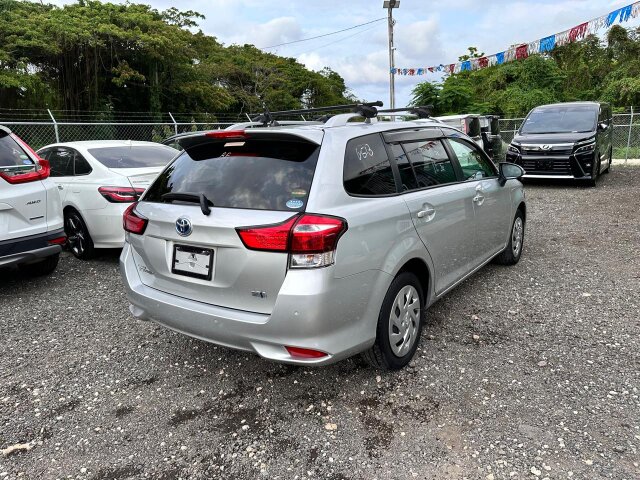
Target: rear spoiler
column 199, row 139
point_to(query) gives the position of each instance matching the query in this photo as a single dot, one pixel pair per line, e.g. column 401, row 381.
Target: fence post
column 55, row 126
column 175, row 124
column 626, row 156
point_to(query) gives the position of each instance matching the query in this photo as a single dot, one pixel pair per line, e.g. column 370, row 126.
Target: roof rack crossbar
column 367, row 110
column 422, row 111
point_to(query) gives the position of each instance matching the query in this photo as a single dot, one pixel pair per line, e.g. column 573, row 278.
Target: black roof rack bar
column 423, row 111
column 367, row 110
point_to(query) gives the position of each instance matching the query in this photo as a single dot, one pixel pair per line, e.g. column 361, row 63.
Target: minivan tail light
column 311, row 240
column 121, row 194
column 132, row 221
column 41, row 168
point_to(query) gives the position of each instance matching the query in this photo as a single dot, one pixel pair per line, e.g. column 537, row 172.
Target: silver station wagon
column 308, row 244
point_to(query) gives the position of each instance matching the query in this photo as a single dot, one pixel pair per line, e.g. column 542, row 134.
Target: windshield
column 254, row 174
column 135, row 156
column 561, row 119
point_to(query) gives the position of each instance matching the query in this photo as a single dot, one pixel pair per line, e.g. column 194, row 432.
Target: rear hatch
column 23, row 197
column 255, row 178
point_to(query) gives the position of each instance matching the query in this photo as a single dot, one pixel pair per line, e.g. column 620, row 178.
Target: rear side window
column 367, row 169
column 82, row 167
column 11, row 154
column 134, row 156
column 255, row 174
column 61, row 162
column 431, row 163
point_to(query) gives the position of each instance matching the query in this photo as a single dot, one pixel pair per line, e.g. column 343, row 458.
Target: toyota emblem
column 183, row 226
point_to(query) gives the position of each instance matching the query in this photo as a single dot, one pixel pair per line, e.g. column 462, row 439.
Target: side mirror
column 602, row 127
column 510, row 171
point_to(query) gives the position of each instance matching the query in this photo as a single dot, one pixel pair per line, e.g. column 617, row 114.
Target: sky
column 427, row 32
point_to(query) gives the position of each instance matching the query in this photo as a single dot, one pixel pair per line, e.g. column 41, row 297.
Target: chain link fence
column 40, row 128
column 626, row 133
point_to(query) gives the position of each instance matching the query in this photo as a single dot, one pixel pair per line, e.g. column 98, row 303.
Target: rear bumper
column 105, row 225
column 336, row 316
column 29, row 249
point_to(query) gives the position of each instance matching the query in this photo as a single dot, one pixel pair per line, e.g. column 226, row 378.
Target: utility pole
column 390, row 5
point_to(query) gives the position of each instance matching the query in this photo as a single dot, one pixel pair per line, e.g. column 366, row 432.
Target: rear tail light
column 39, row 171
column 304, row 353
column 311, row 240
column 133, row 222
column 121, row 194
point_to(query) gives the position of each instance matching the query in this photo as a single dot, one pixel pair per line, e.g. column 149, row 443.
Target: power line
column 336, row 41
column 324, row 35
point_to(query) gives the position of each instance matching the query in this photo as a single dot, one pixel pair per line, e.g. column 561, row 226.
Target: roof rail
column 423, row 111
column 366, row 110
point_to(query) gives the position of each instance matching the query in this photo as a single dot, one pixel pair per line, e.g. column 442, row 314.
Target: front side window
column 473, row 164
column 367, row 169
column 431, row 163
column 255, row 174
column 61, row 162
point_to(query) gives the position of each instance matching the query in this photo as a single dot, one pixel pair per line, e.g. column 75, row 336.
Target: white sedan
column 97, row 181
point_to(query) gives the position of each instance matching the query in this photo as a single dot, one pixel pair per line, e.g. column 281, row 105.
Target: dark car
column 565, row 141
column 490, row 131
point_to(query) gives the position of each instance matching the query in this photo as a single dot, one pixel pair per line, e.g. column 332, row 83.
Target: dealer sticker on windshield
column 295, row 203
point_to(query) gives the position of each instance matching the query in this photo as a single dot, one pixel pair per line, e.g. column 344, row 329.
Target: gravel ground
column 523, row 372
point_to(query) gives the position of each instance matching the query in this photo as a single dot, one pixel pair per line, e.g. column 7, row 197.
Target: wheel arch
column 420, row 269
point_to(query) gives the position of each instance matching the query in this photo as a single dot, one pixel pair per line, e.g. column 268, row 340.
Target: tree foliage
column 130, row 57
column 586, row 70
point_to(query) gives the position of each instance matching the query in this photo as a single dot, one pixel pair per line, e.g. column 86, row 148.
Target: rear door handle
column 60, row 187
column 427, row 212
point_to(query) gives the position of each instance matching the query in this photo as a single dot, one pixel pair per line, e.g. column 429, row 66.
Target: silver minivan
column 311, row 244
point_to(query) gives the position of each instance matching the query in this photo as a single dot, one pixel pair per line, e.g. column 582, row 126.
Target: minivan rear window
column 135, row 156
column 257, row 174
column 11, row 154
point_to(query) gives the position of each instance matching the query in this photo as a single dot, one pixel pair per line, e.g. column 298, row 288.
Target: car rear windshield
column 133, row 156
column 11, row 154
column 255, row 174
column 574, row 119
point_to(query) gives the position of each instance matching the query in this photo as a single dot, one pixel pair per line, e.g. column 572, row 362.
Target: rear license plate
column 192, row 261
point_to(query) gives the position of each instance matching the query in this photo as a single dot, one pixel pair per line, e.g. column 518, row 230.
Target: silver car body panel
column 333, row 309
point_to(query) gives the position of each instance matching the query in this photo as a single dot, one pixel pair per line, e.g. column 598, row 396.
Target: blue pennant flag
column 547, row 44
column 466, row 66
column 611, row 18
column 500, row 58
column 625, row 13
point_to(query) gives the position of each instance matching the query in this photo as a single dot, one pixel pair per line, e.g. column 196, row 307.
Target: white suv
column 31, row 226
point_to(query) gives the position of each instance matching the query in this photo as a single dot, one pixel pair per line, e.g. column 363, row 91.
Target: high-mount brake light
column 120, row 194
column 132, row 221
column 311, row 240
column 226, row 134
column 41, row 168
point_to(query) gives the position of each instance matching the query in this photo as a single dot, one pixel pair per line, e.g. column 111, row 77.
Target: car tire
column 596, row 172
column 398, row 316
column 608, row 169
column 511, row 255
column 41, row 268
column 78, row 237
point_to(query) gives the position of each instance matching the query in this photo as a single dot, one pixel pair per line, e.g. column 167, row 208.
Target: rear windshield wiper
column 200, row 198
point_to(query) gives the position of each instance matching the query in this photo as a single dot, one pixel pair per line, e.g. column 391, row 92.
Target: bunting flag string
column 541, row 46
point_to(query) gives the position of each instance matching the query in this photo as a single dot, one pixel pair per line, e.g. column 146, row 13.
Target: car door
column 440, row 206
column 491, row 201
column 61, row 163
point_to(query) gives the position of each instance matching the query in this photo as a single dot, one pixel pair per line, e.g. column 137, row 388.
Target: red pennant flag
column 412, row 71
column 483, row 62
column 522, row 52
column 579, row 32
column 452, row 68
column 431, row 69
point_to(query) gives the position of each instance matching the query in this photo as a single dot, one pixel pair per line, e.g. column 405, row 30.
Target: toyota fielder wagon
column 309, row 244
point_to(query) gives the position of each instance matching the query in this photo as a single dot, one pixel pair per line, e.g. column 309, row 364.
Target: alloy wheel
column 517, row 236
column 75, row 235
